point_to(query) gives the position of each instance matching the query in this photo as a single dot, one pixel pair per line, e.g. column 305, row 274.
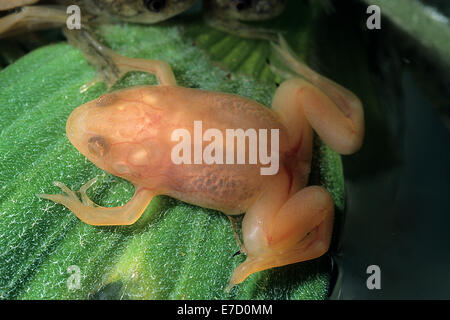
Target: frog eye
column 98, row 146
column 155, row 5
column 105, row 100
column 242, row 4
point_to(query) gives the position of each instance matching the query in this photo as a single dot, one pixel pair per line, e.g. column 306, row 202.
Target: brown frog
column 55, row 14
column 227, row 15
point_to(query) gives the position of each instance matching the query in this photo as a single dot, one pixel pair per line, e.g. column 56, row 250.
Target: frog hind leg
column 299, row 230
column 288, row 57
column 110, row 65
column 339, row 125
column 32, row 18
column 334, row 112
column 92, row 214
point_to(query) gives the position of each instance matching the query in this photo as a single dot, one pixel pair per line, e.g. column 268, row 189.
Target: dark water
column 398, row 186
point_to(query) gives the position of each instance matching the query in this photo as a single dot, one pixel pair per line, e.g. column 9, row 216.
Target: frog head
column 144, row 11
column 119, row 134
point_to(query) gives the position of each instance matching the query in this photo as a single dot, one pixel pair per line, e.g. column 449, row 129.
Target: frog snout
column 75, row 125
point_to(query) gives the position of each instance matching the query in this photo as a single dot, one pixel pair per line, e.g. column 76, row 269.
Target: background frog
column 50, row 14
column 227, row 15
column 41, row 17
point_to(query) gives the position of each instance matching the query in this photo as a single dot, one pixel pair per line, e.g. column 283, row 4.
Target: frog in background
column 53, row 14
column 227, row 15
column 230, row 15
column 222, row 14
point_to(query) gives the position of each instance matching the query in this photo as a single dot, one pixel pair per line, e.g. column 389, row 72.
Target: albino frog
column 131, row 134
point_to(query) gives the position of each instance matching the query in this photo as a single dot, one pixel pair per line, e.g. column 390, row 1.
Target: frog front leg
column 110, row 65
column 280, row 230
column 90, row 213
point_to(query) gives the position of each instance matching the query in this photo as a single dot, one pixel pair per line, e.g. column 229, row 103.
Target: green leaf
column 175, row 250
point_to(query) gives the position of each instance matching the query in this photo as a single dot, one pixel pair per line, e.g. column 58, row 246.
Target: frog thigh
column 341, row 129
column 334, row 112
column 298, row 231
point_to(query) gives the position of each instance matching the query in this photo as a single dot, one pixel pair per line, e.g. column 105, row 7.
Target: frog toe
column 67, row 199
column 247, row 268
column 84, row 197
